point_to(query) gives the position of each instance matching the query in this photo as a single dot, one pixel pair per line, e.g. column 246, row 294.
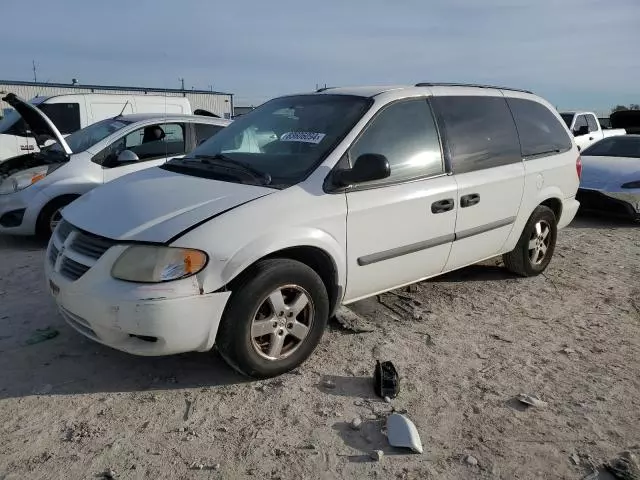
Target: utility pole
column 35, row 78
column 182, row 83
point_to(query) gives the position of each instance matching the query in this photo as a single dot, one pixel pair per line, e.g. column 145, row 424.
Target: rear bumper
column 569, row 210
column 608, row 203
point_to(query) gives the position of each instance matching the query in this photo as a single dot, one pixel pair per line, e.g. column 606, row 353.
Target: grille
column 91, row 245
column 72, row 269
column 53, row 254
column 85, row 248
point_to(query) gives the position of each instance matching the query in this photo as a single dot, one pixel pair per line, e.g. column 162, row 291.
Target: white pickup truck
column 586, row 128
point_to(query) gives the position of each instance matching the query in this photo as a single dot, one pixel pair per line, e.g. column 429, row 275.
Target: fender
column 276, row 241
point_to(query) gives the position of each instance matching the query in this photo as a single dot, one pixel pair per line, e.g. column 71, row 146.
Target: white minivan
column 342, row 194
column 36, row 186
column 71, row 112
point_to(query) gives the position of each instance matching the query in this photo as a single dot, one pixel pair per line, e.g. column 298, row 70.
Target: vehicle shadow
column 598, row 220
column 14, row 243
column 71, row 364
column 476, row 273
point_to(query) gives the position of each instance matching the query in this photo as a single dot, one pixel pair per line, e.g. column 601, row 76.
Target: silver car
column 610, row 181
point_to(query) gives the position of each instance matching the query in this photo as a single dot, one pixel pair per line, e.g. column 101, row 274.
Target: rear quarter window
column 540, row 131
column 479, row 130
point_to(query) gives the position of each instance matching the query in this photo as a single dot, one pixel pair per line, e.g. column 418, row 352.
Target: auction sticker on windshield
column 306, row 137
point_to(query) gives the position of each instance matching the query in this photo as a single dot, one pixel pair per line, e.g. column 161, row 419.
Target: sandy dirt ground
column 465, row 345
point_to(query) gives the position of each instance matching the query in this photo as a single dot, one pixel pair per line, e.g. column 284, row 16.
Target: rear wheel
column 50, row 216
column 275, row 318
column 536, row 245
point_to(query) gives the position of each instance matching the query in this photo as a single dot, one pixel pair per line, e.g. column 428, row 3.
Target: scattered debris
column 568, row 350
column 329, row 384
column 471, row 460
column 531, row 400
column 261, row 388
column 108, row 474
column 387, row 381
column 475, row 409
column 377, row 455
column 356, row 423
column 350, row 320
column 76, row 432
column 625, row 466
column 41, row 335
column 401, row 432
column 223, row 429
column 575, row 459
column 188, row 408
column 413, row 288
column 387, row 399
column 501, row 338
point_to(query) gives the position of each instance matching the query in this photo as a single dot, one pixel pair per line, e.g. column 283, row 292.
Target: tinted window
column 581, row 121
column 480, row 132
column 406, row 134
column 87, row 137
column 539, row 129
column 620, row 146
column 204, row 131
column 65, row 116
column 591, row 122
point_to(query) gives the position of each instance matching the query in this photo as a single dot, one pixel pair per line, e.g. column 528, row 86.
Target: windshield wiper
column 224, row 161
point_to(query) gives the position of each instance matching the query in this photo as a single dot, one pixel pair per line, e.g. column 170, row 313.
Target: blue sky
column 576, row 53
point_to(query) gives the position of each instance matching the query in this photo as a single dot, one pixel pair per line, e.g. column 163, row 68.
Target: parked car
column 252, row 245
column 587, row 129
column 627, row 119
column 611, row 177
column 36, row 186
column 71, row 112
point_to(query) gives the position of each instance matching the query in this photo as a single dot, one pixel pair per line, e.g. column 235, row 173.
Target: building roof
column 107, row 87
column 142, row 117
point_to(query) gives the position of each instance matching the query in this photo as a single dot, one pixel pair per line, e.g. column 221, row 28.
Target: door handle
column 442, row 206
column 469, row 200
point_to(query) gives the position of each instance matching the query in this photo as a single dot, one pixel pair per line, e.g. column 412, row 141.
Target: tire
column 251, row 312
column 48, row 214
column 529, row 262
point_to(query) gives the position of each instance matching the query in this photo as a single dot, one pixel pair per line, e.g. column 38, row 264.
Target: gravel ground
column 465, row 345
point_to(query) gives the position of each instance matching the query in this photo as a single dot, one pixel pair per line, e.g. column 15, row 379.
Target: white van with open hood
column 34, row 187
column 71, row 112
column 308, row 202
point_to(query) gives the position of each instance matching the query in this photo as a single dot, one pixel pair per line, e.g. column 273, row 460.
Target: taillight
column 579, row 166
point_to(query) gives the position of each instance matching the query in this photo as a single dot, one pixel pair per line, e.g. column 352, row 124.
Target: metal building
column 219, row 103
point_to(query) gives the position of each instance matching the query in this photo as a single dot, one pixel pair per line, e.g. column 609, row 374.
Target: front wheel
column 50, row 216
column 275, row 318
column 536, row 245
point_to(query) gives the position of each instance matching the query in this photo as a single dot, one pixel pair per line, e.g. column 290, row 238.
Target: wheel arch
column 319, row 251
column 59, row 199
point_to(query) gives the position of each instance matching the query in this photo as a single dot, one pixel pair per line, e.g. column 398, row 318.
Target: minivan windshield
column 279, row 143
column 87, row 137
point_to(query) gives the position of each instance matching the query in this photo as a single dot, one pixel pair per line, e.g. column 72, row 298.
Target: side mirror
column 127, row 156
column 368, row 167
column 583, row 130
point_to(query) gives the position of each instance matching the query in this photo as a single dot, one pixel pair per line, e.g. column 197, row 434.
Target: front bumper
column 26, row 205
column 142, row 319
column 619, row 204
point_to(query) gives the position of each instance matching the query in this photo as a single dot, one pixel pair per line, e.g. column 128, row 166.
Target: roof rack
column 449, row 84
column 323, row 89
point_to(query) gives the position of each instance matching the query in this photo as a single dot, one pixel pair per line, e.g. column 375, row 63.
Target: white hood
column 155, row 205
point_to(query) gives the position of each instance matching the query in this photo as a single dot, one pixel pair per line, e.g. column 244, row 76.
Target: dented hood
column 41, row 126
column 156, row 205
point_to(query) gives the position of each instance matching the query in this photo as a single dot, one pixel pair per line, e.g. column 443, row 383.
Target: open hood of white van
column 156, row 205
column 41, row 126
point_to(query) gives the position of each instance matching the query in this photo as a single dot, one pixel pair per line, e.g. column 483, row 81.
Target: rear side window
column 540, row 131
column 581, row 121
column 65, row 116
column 480, row 132
column 405, row 133
column 204, row 131
column 591, row 122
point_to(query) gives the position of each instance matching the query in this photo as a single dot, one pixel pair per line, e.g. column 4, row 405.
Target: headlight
column 21, row 180
column 635, row 184
column 150, row 264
